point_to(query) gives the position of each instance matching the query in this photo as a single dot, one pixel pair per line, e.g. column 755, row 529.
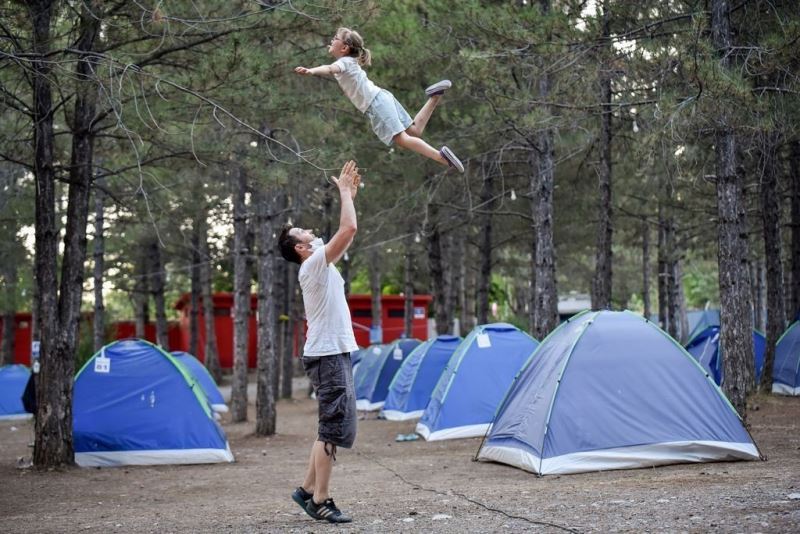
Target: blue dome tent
column 610, row 390
column 413, row 383
column 376, row 370
column 13, row 379
column 355, row 359
column 134, row 404
column 786, row 369
column 477, row 377
column 705, row 349
column 199, row 372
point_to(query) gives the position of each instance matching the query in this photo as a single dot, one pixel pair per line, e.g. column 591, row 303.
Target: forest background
column 644, row 152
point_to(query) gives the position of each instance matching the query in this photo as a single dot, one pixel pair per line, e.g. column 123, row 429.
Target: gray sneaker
column 451, row 159
column 438, row 88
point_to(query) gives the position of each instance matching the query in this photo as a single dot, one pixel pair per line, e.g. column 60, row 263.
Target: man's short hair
column 286, row 243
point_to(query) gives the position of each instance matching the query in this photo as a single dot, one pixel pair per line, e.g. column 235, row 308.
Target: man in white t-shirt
column 329, row 342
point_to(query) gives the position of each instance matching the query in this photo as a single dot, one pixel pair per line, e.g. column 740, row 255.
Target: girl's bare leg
column 415, row 144
column 423, row 116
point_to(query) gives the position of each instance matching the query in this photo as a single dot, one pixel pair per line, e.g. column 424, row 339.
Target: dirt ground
column 414, row 486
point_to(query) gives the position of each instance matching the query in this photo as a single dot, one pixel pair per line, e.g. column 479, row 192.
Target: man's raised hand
column 348, row 179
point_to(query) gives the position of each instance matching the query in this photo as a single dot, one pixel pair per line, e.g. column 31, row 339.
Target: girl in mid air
column 389, row 120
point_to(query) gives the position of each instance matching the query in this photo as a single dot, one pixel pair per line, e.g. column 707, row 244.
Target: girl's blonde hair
column 356, row 43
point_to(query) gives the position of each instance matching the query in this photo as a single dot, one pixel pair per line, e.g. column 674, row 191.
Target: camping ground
column 405, row 487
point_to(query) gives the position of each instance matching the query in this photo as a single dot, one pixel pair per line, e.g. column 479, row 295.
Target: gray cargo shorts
column 332, row 379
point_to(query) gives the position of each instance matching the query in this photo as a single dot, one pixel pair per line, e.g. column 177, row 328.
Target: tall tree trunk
column 463, row 311
column 470, row 291
column 454, row 263
column 544, row 303
column 757, row 290
column 735, row 307
column 681, row 314
column 346, row 273
column 267, row 369
column 485, row 249
column 99, row 323
column 375, row 291
column 196, row 293
column 773, row 252
column 438, row 282
column 601, row 283
column 210, row 351
column 408, row 288
column 794, row 187
column 289, row 277
column 157, row 277
column 241, row 297
column 646, row 269
column 140, row 292
column 53, row 445
column 452, row 258
column 664, row 273
column 278, row 205
column 9, row 274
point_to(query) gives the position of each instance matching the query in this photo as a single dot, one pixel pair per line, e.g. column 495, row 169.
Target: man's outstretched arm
column 348, row 187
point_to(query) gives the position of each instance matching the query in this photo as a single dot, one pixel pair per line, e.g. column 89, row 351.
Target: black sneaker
column 302, row 497
column 327, row 511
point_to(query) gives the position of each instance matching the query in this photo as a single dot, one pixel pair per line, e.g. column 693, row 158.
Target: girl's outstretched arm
column 322, row 70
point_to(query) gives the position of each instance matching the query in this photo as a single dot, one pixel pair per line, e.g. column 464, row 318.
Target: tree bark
column 9, row 274
column 375, row 290
column 454, row 264
column 463, row 311
column 735, row 307
column 485, row 249
column 664, row 274
column 346, row 273
column 99, row 322
column 646, row 269
column 267, row 366
column 211, row 358
column 289, row 277
column 438, row 282
column 53, row 444
column 681, row 314
column 156, row 268
column 470, row 284
column 544, row 303
column 241, row 297
column 794, row 187
column 196, row 292
column 758, row 291
column 773, row 252
column 140, row 292
column 601, row 283
column 408, row 288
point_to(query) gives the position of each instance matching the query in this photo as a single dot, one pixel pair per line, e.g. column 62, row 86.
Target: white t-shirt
column 354, row 82
column 330, row 329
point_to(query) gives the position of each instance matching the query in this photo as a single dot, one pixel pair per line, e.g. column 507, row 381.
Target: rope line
column 466, row 498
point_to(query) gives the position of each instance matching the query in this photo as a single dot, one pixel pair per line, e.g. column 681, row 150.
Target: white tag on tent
column 376, row 350
column 102, row 364
column 483, row 341
column 397, row 353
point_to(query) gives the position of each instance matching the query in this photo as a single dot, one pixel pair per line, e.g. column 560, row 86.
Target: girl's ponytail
column 356, row 43
column 364, row 57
